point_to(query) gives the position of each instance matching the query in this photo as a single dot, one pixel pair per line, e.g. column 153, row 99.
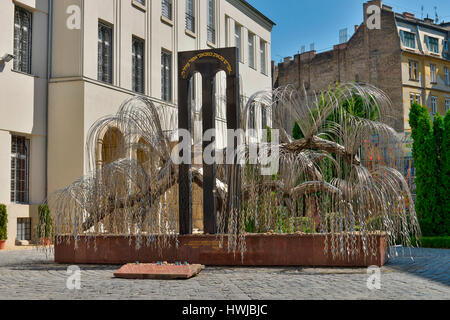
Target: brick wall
column 370, row 56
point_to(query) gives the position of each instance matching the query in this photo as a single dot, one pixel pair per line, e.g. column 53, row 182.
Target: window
column 251, row 50
column 433, row 73
column 415, row 98
column 432, row 44
column 445, row 45
column 24, row 229
column 190, row 15
column 251, row 117
column 238, row 40
column 447, row 104
column 446, row 76
column 262, row 53
column 22, row 40
column 166, row 9
column 413, row 70
column 263, row 117
column 20, row 157
column 408, row 39
column 166, row 76
column 105, row 53
column 138, row 71
column 434, row 104
column 211, row 21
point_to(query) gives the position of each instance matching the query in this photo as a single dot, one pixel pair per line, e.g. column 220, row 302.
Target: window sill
column 190, row 33
column 24, row 73
column 210, row 44
column 138, row 5
column 414, row 80
column 167, row 21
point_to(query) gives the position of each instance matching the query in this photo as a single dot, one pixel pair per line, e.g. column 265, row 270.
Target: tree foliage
column 3, row 222
column 431, row 156
column 444, row 183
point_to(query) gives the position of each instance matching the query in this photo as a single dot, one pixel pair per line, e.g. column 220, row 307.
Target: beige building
column 77, row 61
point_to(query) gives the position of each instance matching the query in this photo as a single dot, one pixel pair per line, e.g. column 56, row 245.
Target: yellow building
column 425, row 64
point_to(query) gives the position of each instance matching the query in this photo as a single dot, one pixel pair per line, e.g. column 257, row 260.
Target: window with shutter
column 105, row 53
column 22, row 40
column 138, row 71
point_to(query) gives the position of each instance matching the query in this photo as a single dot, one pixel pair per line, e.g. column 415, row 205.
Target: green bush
column 45, row 222
column 3, row 223
column 444, row 182
column 427, row 170
column 433, row 242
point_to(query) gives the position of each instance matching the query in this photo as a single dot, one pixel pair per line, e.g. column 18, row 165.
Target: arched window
column 112, row 146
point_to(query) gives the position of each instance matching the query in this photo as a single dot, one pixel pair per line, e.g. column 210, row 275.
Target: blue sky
column 302, row 22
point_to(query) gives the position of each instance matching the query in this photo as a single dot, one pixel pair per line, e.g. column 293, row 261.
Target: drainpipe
column 49, row 73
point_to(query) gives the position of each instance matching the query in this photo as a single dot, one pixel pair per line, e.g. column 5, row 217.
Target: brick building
column 408, row 58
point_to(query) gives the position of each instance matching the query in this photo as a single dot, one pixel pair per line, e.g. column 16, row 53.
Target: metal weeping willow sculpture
column 342, row 176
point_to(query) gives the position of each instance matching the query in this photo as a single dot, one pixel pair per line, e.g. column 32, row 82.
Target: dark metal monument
column 207, row 63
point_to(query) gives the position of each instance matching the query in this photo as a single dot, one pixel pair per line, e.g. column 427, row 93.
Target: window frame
column 251, row 50
column 211, row 21
column 415, row 98
column 166, row 75
column 434, row 104
column 101, row 77
column 405, row 41
column 136, row 86
column 413, row 70
column 432, row 46
column 237, row 27
column 447, row 76
column 168, row 14
column 263, row 53
column 17, row 64
column 433, row 73
column 23, row 168
column 190, row 15
column 24, row 229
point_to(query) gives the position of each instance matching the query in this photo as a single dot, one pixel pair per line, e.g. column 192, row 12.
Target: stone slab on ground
column 158, row 272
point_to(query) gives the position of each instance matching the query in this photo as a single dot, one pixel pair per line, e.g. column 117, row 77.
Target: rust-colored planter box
column 262, row 250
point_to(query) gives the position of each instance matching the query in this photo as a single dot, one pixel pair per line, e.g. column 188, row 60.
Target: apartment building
column 408, row 58
column 77, row 61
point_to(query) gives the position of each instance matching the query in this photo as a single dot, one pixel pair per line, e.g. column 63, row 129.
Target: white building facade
column 78, row 60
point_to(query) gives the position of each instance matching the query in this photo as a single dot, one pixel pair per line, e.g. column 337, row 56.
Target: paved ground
column 32, row 275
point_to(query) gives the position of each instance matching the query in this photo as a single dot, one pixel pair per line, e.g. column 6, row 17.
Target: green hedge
column 434, row 242
column 3, row 223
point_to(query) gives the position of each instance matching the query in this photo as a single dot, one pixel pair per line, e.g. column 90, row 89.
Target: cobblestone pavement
column 33, row 275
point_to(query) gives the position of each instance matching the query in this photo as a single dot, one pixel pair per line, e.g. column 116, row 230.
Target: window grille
column 20, row 157
column 105, row 53
column 138, row 73
column 22, row 40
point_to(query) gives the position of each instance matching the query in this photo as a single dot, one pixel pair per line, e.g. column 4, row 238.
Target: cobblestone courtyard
column 31, row 274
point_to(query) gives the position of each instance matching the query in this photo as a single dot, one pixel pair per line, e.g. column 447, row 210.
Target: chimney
column 408, row 15
column 356, row 27
column 287, row 59
column 428, row 20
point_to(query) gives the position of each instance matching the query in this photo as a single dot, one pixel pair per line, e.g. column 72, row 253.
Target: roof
column 253, row 13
